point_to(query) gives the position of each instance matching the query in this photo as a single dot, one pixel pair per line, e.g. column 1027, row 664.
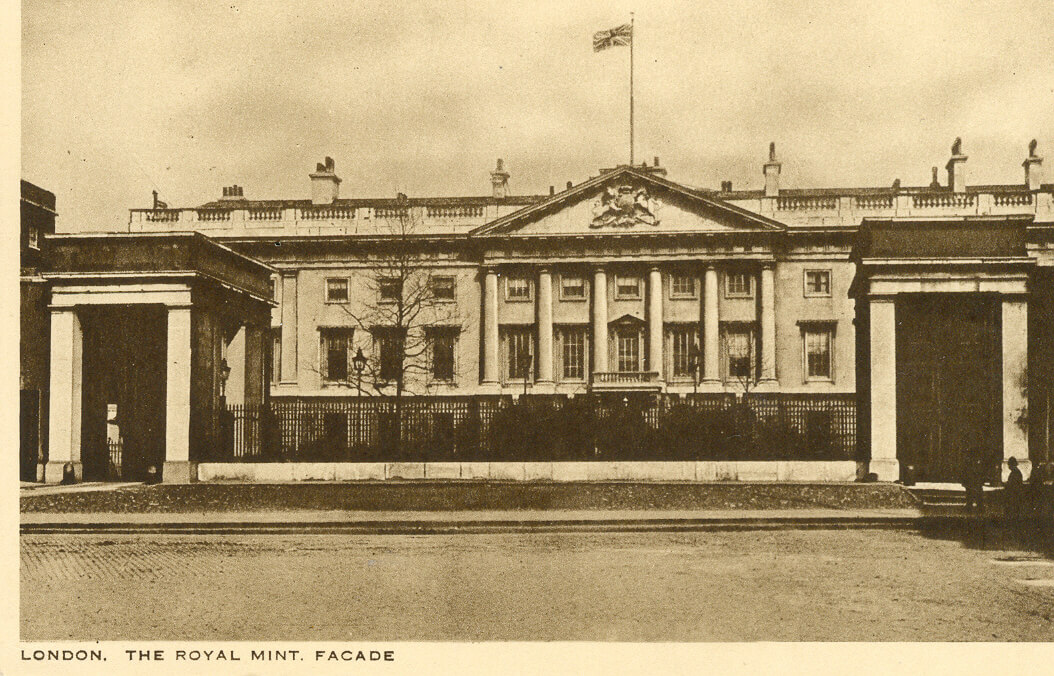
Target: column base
column 885, row 469
column 179, row 472
column 767, row 385
column 53, row 471
column 489, row 387
column 543, row 387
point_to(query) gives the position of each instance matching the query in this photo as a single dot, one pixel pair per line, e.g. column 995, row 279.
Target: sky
column 185, row 97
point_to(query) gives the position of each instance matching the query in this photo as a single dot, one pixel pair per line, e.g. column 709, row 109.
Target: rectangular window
column 627, row 349
column 627, row 287
column 739, row 285
column 442, row 288
column 573, row 353
column 336, row 344
column 336, row 290
column 817, row 282
column 682, row 286
column 517, row 288
column 441, row 343
column 518, row 352
column 684, row 350
column 390, row 289
column 276, row 356
column 817, row 354
column 388, row 346
column 572, row 288
column 33, row 237
column 739, row 353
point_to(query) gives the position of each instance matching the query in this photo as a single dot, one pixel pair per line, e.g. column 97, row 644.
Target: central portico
column 629, row 282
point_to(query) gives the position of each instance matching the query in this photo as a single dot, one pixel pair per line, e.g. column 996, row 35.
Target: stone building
column 930, row 306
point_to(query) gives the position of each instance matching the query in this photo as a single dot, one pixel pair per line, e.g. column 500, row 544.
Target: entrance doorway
column 123, row 414
column 949, row 376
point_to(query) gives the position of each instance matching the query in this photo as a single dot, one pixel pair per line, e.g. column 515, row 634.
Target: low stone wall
column 701, row 471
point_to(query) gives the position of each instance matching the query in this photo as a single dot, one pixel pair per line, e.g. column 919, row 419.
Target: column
column 1015, row 368
column 768, row 324
column 178, row 468
column 883, row 390
column 490, row 328
column 289, row 327
column 711, row 328
column 255, row 371
column 545, row 327
column 64, row 410
column 600, row 321
column 655, row 321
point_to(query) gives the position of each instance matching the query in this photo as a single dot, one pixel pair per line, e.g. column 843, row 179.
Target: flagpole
column 632, row 39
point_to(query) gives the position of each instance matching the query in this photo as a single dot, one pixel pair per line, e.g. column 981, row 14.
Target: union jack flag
column 620, row 36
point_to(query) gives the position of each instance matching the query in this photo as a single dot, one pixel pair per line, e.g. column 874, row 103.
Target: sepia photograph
column 350, row 326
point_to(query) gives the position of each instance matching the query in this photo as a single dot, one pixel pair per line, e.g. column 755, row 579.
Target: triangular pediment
column 627, row 201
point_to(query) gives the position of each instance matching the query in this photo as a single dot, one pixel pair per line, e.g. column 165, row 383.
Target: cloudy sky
column 184, row 96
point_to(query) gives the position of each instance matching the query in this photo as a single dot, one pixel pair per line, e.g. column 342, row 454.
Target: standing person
column 1014, row 493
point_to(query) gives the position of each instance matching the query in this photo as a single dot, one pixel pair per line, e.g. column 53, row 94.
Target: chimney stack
column 726, row 186
column 232, row 193
column 325, row 184
column 499, row 180
column 1033, row 165
column 772, row 173
column 552, row 190
column 570, row 185
column 957, row 168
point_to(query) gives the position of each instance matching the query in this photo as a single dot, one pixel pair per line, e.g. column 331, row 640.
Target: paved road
column 787, row 585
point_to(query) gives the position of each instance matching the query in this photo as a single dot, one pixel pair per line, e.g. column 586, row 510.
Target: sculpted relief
column 624, row 206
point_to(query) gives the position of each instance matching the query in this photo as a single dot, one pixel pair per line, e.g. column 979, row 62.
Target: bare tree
column 409, row 309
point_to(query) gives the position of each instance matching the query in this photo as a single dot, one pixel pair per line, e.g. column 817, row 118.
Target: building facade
column 632, row 283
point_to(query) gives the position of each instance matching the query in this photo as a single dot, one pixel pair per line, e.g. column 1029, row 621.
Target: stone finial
column 772, row 151
column 935, row 182
column 957, row 146
column 1033, row 165
column 499, row 180
column 957, row 167
column 896, row 185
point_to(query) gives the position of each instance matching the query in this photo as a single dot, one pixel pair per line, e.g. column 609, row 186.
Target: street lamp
column 359, row 362
column 694, row 357
column 526, row 362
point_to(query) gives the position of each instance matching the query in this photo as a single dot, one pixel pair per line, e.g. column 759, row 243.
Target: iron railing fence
column 491, row 428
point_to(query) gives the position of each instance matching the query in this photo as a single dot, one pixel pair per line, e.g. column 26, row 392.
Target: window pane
column 572, row 287
column 818, row 354
column 682, row 285
column 517, row 288
column 818, row 282
column 336, row 290
column 443, row 288
column 390, row 289
column 518, row 353
column 740, row 357
column 683, row 340
column 335, row 344
column 738, row 284
column 573, row 352
column 443, row 354
column 627, row 287
column 628, row 350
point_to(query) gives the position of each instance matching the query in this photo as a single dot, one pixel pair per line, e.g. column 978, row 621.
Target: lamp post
column 526, row 361
column 359, row 363
column 694, row 358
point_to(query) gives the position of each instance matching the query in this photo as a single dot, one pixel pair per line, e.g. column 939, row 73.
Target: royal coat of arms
column 624, row 206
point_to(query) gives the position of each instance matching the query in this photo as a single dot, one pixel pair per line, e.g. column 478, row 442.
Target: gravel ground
column 788, row 585
column 463, row 495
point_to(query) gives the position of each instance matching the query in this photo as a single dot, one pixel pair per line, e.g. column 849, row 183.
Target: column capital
column 768, row 265
column 544, row 270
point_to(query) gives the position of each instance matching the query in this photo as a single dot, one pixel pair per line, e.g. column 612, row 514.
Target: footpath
column 445, row 507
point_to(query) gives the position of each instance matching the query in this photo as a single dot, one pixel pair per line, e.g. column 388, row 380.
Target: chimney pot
column 325, row 184
column 552, row 190
column 771, row 169
column 656, row 162
column 1033, row 165
column 726, row 186
column 569, row 185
